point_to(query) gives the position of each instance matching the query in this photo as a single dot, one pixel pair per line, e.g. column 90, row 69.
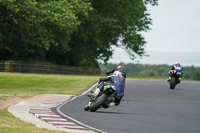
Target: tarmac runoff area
column 37, row 110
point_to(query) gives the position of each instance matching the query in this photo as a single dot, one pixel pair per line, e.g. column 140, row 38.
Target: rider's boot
column 94, row 93
column 112, row 104
column 169, row 79
column 179, row 79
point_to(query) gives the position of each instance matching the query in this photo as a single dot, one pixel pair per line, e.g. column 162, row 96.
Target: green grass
column 24, row 85
column 10, row 124
column 27, row 85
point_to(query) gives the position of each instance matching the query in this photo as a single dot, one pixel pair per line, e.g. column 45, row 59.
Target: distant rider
column 178, row 68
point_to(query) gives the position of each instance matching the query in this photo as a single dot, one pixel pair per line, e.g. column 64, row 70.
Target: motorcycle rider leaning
column 118, row 68
column 117, row 80
column 177, row 67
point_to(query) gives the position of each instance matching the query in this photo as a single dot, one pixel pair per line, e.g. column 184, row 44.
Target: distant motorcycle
column 102, row 99
column 175, row 79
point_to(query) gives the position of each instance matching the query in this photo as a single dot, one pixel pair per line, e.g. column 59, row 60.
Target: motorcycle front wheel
column 96, row 105
column 173, row 83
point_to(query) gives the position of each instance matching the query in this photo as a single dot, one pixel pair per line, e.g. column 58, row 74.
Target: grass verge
column 27, row 85
column 10, row 124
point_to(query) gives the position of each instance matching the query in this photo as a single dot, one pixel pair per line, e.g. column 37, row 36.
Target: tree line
column 72, row 32
column 140, row 70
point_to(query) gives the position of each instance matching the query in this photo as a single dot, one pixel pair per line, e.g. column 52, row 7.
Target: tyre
column 96, row 105
column 86, row 108
column 173, row 83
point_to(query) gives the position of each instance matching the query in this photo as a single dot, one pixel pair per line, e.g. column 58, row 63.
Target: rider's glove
column 99, row 82
column 107, row 73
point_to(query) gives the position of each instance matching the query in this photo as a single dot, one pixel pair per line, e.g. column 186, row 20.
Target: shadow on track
column 178, row 89
column 127, row 100
column 111, row 112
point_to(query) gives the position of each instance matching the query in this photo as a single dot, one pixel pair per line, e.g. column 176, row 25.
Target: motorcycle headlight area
column 179, row 73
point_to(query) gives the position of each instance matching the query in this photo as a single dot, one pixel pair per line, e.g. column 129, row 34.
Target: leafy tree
column 30, row 27
column 112, row 22
column 152, row 70
column 72, row 32
column 196, row 75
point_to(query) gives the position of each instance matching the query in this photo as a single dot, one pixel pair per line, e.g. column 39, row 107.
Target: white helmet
column 116, row 73
column 178, row 63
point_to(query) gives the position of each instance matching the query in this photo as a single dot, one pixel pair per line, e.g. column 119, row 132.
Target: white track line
column 80, row 123
column 73, row 127
column 43, row 112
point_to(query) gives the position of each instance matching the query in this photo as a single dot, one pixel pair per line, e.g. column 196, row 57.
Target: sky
column 174, row 35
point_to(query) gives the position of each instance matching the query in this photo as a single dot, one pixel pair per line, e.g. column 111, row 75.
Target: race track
column 149, row 106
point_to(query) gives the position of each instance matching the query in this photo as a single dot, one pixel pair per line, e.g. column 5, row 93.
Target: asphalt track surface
column 149, row 106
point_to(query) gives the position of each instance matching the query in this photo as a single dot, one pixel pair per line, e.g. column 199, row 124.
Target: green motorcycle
column 102, row 99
